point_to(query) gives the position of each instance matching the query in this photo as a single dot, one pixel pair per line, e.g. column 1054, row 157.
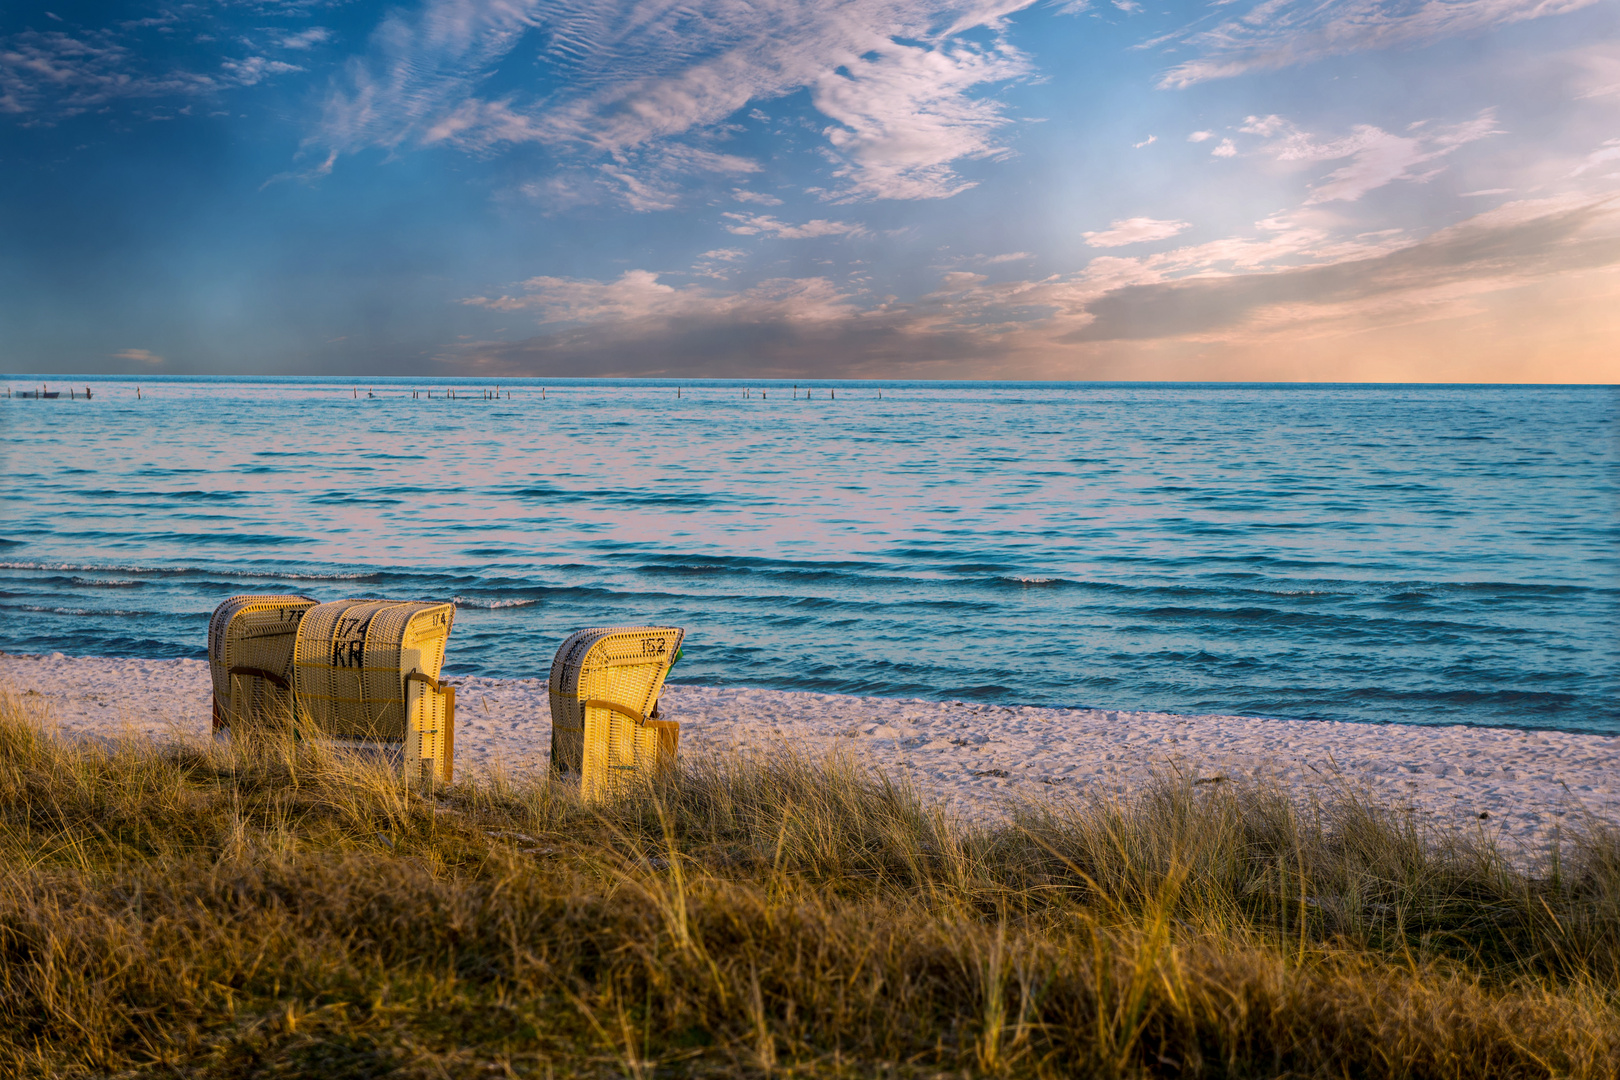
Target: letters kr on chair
column 368, row 671
column 359, row 671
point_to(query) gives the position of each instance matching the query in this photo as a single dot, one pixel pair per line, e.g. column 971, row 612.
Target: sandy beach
column 978, row 760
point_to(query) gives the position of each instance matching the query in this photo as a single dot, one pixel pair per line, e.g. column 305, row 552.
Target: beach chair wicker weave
column 605, row 726
column 368, row 671
column 250, row 654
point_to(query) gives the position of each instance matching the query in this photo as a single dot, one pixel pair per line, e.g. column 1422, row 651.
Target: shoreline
column 979, row 761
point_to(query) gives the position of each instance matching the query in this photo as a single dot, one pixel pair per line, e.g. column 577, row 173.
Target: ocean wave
column 490, row 605
column 107, row 583
column 112, row 612
column 309, row 575
column 625, row 498
column 110, row 568
column 1033, row 581
column 218, row 571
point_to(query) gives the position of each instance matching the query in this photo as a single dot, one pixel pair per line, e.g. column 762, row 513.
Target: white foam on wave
column 490, row 605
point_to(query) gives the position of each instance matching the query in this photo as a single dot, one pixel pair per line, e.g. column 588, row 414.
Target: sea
column 1389, row 554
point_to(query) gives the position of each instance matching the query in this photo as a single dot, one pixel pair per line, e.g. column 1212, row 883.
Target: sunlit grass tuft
column 270, row 908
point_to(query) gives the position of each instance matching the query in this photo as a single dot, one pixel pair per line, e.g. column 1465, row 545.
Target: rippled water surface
column 1411, row 554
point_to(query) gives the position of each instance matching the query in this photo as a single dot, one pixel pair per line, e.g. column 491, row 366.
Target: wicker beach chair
column 367, row 671
column 250, row 653
column 605, row 725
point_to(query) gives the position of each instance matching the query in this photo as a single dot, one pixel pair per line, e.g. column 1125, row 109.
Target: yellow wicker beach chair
column 367, row 671
column 250, row 653
column 605, row 725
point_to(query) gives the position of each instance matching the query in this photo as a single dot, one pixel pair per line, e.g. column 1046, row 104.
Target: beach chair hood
column 250, row 657
column 604, row 690
column 368, row 670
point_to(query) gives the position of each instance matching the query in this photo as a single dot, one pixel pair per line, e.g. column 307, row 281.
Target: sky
column 1332, row 190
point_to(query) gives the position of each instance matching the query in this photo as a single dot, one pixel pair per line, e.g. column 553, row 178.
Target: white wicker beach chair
column 250, row 653
column 605, row 724
column 367, row 671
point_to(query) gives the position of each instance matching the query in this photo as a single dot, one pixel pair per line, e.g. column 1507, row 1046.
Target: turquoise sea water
column 1405, row 554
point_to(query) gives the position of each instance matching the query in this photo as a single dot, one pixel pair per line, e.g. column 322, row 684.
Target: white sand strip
column 976, row 759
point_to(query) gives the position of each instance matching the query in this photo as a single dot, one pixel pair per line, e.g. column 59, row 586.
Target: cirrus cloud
column 765, row 225
column 896, row 79
column 1281, row 33
column 1136, row 230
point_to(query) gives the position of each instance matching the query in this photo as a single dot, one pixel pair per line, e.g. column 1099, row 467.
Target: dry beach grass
column 272, row 909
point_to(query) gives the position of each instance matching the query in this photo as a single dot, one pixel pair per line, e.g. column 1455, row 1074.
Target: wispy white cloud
column 1596, row 71
column 1603, row 155
column 1266, row 126
column 638, row 295
column 904, row 117
column 765, row 225
column 1225, row 148
column 252, row 70
column 47, row 76
column 896, row 78
column 1200, row 136
column 1149, row 141
column 1136, row 230
column 719, row 263
column 306, row 39
column 759, row 198
column 63, row 74
column 1280, row 33
column 1377, row 157
column 143, row 356
column 984, row 260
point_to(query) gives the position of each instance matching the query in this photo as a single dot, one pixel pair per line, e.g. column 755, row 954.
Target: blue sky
column 1291, row 189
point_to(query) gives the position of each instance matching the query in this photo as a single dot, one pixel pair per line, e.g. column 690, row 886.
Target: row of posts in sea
column 495, row 394
column 46, row 392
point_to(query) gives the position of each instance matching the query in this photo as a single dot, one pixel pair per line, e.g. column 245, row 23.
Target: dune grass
column 270, row 909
